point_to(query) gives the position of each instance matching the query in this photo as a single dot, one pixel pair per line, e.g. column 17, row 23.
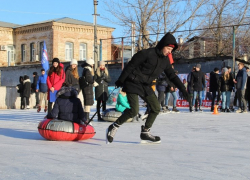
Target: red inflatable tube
column 59, row 130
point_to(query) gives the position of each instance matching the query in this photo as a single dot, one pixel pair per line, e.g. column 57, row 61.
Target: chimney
column 180, row 41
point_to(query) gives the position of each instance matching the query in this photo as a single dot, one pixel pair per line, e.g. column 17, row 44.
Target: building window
column 41, row 51
column 23, row 50
column 32, row 52
column 83, row 51
column 11, row 54
column 68, row 51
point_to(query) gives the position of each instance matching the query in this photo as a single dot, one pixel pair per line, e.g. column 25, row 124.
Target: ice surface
column 194, row 146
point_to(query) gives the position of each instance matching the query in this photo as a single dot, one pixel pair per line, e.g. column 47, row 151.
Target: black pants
column 235, row 99
column 247, row 96
column 26, row 101
column 98, row 106
column 37, row 98
column 22, row 102
column 161, row 98
column 241, row 99
column 214, row 97
column 133, row 100
column 49, row 107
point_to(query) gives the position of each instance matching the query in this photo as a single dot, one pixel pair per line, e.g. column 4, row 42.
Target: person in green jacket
column 122, row 102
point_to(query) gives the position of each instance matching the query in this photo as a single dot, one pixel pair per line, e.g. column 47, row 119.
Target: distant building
column 65, row 38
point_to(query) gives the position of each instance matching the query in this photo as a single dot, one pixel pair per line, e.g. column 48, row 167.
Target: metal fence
column 231, row 41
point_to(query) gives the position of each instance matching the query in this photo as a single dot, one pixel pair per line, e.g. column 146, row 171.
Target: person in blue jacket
column 67, row 106
column 122, row 102
column 42, row 88
column 241, row 84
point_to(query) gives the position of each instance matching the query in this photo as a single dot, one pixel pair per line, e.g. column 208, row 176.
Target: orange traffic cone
column 215, row 110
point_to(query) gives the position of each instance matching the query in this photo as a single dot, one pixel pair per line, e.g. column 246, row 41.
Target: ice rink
column 194, row 146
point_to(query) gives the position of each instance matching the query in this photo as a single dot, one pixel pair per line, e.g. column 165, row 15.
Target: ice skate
column 38, row 109
column 110, row 132
column 146, row 137
column 165, row 109
column 46, row 109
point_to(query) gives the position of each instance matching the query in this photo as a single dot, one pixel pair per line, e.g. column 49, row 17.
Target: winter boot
column 200, row 109
column 28, row 107
column 244, row 111
column 175, row 110
column 87, row 116
column 191, row 108
column 99, row 117
column 238, row 111
column 196, row 108
column 110, row 132
column 147, row 137
column 212, row 109
column 39, row 109
column 228, row 110
column 46, row 109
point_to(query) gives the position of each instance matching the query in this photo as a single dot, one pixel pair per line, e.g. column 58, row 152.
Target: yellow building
column 65, row 38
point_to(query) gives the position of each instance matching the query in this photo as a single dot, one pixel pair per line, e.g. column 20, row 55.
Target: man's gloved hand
column 118, row 83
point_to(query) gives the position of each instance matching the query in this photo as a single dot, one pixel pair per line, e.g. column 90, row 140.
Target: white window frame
column 69, row 46
column 83, row 51
column 11, row 49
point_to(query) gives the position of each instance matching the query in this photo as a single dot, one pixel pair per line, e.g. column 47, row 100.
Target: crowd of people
column 61, row 88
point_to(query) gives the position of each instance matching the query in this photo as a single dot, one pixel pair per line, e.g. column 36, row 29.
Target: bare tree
column 155, row 16
column 224, row 13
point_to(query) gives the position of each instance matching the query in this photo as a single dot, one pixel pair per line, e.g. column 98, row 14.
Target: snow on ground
column 194, row 146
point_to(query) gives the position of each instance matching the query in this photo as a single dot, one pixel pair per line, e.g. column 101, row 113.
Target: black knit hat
column 56, row 60
column 216, row 69
column 35, row 73
column 42, row 69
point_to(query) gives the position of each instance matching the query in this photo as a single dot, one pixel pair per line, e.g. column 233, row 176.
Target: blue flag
column 45, row 62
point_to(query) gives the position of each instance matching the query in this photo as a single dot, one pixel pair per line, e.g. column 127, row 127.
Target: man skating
column 136, row 79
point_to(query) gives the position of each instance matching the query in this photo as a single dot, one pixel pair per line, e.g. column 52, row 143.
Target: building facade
column 65, row 38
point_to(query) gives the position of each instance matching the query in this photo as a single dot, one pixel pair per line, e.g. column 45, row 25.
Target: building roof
column 67, row 21
column 8, row 25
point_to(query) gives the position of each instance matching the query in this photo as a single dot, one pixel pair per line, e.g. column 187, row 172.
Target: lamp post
column 95, row 34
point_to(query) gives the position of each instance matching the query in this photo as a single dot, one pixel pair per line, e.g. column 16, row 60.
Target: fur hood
column 67, row 91
column 26, row 80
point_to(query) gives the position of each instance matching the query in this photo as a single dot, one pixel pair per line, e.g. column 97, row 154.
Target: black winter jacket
column 145, row 66
column 226, row 85
column 197, row 81
column 26, row 86
column 87, row 90
column 34, row 84
column 67, row 106
column 70, row 80
column 214, row 82
column 102, row 78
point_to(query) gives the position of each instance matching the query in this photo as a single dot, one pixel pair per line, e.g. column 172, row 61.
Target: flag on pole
column 45, row 62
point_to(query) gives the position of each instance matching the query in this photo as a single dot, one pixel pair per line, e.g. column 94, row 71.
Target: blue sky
column 30, row 11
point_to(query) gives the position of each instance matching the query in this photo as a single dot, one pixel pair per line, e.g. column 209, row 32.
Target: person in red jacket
column 55, row 79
